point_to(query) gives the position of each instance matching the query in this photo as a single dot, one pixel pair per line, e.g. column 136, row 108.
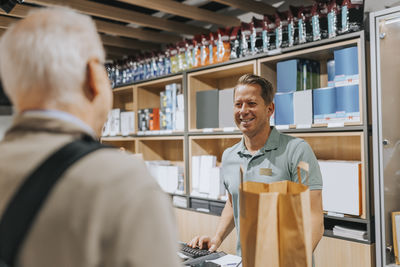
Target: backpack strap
column 24, row 206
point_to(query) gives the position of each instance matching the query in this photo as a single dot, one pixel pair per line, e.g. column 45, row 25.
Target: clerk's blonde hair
column 46, row 54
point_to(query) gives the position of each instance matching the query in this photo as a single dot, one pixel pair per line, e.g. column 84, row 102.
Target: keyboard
column 195, row 256
column 193, row 252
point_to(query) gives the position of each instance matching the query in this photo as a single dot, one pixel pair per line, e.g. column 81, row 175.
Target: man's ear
column 271, row 108
column 91, row 89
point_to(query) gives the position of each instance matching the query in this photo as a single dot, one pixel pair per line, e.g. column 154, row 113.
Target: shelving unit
column 148, row 93
column 350, row 142
column 267, row 68
column 224, row 77
column 123, row 98
column 128, row 143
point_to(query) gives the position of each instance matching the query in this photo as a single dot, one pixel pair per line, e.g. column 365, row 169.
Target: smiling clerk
column 266, row 156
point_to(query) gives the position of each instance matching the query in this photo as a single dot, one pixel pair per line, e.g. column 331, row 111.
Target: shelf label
column 203, row 210
column 335, row 214
column 282, row 127
column 208, row 130
column 274, row 52
column 303, row 126
column 335, row 124
column 228, row 129
column 140, row 133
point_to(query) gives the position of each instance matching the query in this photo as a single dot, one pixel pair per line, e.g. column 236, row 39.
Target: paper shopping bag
column 275, row 223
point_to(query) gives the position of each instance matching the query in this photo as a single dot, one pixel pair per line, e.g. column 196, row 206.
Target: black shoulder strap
column 21, row 211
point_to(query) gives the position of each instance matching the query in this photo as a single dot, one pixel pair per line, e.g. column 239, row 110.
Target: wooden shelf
column 161, row 149
column 224, row 77
column 128, row 143
column 124, row 99
column 328, row 143
column 340, row 146
column 148, row 93
column 267, row 67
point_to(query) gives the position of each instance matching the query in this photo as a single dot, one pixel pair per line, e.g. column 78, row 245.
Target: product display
column 297, row 25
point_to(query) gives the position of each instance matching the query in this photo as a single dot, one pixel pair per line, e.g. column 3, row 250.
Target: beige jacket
column 106, row 211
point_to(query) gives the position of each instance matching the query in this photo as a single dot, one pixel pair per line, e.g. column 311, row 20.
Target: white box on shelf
column 341, row 190
column 115, row 122
column 302, row 107
column 217, row 188
column 107, row 125
column 196, row 161
column 127, row 123
column 207, row 162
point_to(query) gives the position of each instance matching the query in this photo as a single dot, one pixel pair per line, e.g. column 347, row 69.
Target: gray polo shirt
column 276, row 161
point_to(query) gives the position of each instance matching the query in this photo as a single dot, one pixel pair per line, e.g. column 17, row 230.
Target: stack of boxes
column 295, row 78
column 296, row 105
column 170, row 177
column 119, row 123
column 170, row 115
column 214, row 109
column 206, row 177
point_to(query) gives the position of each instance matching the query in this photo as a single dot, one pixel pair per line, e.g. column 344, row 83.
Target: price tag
column 303, row 126
column 274, row 52
column 168, row 132
column 228, row 129
column 282, row 127
column 140, row 133
column 335, row 124
column 208, row 130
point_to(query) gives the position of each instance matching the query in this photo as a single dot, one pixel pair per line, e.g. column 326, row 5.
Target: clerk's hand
column 205, row 242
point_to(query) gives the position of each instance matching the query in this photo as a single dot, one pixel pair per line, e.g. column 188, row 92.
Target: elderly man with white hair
column 106, row 210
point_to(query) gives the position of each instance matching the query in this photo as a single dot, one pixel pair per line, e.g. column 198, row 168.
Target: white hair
column 48, row 52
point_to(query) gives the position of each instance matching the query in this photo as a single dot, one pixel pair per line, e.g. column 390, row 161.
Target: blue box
column 324, row 104
column 346, row 61
column 288, row 75
column 348, row 104
column 284, row 114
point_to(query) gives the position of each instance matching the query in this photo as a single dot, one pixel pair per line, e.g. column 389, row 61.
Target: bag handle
column 306, row 167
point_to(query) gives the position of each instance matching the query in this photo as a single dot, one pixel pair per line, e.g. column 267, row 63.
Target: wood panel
column 332, row 252
column 186, row 11
column 128, row 43
column 123, row 100
column 335, row 146
column 340, row 146
column 148, row 93
column 144, row 35
column 249, row 5
column 191, row 224
column 127, row 144
column 123, row 15
column 214, row 145
column 161, row 83
column 166, row 149
column 148, row 99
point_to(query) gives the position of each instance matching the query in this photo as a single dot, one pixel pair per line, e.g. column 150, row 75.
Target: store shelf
column 329, row 142
column 329, row 233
